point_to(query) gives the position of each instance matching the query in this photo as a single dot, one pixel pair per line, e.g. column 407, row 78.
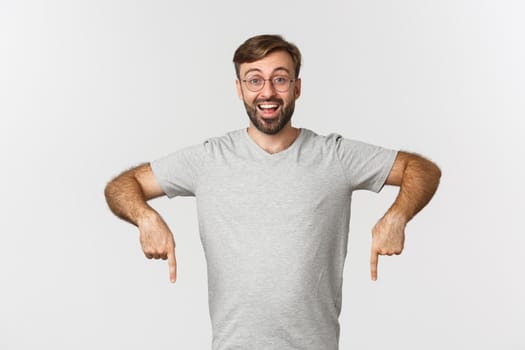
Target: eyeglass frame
column 290, row 81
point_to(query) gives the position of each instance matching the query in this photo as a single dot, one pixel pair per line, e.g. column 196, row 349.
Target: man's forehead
column 275, row 61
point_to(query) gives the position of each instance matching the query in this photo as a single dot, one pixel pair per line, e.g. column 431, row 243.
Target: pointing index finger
column 172, row 263
column 374, row 258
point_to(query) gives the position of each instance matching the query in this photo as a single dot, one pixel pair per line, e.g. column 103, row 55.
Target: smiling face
column 269, row 110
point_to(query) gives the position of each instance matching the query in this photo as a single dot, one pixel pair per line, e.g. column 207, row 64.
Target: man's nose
column 268, row 89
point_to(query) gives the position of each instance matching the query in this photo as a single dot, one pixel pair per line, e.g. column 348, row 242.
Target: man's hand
column 127, row 197
column 157, row 241
column 418, row 179
column 388, row 238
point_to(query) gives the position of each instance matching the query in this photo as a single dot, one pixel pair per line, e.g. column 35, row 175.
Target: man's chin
column 267, row 130
column 269, row 121
column 269, row 126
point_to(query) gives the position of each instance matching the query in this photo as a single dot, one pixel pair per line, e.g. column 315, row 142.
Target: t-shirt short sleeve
column 366, row 166
column 178, row 173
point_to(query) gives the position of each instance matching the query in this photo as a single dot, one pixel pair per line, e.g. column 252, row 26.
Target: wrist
column 145, row 214
column 397, row 216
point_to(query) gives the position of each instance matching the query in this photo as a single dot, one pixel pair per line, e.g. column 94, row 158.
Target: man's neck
column 274, row 143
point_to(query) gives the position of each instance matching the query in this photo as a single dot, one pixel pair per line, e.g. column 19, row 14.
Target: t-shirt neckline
column 279, row 154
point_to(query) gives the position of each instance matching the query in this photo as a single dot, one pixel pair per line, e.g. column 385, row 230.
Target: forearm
column 419, row 182
column 126, row 198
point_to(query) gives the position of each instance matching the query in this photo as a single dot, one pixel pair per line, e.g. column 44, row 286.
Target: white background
column 90, row 88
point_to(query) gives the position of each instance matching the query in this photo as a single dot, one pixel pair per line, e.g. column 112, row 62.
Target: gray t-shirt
column 274, row 228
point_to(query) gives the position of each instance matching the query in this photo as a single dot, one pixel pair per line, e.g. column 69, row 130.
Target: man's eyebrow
column 252, row 70
column 282, row 68
column 259, row 71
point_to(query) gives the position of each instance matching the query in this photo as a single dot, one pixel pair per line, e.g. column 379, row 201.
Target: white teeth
column 268, row 106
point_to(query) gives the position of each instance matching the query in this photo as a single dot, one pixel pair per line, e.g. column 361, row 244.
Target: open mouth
column 268, row 109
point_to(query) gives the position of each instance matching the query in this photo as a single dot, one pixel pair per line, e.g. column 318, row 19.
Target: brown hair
column 258, row 47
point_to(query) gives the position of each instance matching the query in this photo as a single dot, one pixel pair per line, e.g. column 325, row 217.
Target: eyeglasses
column 280, row 83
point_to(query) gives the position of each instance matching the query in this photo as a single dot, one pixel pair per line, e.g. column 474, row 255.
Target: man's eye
column 255, row 81
column 280, row 80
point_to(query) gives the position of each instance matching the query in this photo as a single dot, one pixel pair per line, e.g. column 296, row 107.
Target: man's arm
column 127, row 197
column 418, row 179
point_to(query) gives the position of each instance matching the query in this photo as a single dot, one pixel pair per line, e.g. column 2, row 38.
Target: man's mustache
column 273, row 99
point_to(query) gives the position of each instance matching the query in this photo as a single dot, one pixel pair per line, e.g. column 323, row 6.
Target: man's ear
column 297, row 87
column 239, row 88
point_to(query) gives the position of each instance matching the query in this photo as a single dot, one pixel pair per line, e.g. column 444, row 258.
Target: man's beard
column 270, row 128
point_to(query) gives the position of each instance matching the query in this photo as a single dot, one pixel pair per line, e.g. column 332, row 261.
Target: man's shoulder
column 335, row 142
column 229, row 136
column 231, row 140
column 207, row 142
column 200, row 152
column 316, row 139
column 228, row 140
column 335, row 139
column 238, row 134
